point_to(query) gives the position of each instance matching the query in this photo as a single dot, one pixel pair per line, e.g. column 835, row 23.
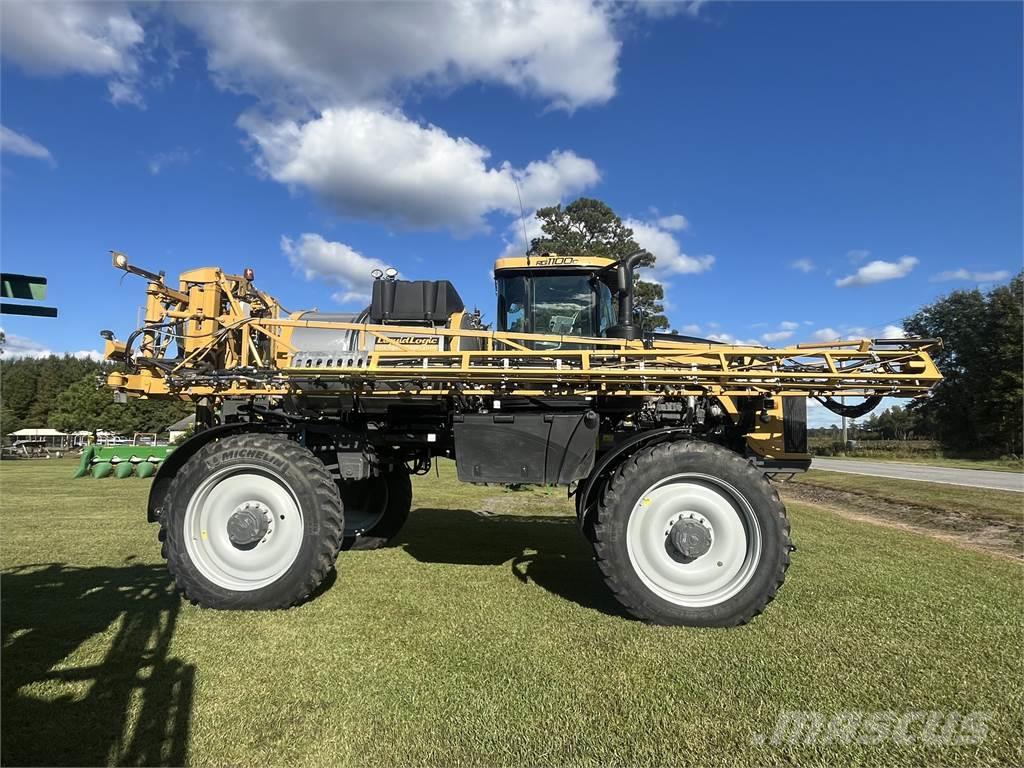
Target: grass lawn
column 978, row 503
column 483, row 637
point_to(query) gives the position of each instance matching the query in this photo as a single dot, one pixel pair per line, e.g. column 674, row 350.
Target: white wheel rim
column 254, row 565
column 711, row 577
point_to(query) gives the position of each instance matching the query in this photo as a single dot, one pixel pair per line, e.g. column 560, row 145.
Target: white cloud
column 675, row 222
column 516, row 242
column 94, row 38
column 16, row 143
column 826, row 334
column 804, row 265
column 381, row 165
column 349, row 53
column 334, row 262
column 652, row 236
column 964, row 275
column 162, row 160
column 859, row 332
column 879, row 271
column 691, row 329
column 22, row 346
column 331, row 77
column 670, row 258
column 785, row 331
column 728, row 338
column 663, row 8
column 125, row 92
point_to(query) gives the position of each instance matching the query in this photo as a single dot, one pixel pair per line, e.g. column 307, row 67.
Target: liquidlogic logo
column 406, row 340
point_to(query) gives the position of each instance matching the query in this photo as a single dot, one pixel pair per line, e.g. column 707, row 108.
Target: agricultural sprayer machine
column 309, row 425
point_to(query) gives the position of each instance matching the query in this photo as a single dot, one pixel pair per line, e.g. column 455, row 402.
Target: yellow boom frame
column 224, row 322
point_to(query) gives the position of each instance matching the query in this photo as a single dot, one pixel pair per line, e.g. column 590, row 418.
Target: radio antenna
column 522, row 219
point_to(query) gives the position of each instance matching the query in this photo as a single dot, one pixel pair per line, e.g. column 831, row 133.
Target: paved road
column 977, row 478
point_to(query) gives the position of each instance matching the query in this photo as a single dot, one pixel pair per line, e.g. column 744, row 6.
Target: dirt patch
column 990, row 535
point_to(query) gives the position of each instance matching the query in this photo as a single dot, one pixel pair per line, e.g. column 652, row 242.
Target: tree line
column 978, row 407
column 67, row 393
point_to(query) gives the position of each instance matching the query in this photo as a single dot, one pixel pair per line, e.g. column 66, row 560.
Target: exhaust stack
column 626, row 329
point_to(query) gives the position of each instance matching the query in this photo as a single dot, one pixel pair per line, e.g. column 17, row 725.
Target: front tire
column 254, row 522
column 689, row 533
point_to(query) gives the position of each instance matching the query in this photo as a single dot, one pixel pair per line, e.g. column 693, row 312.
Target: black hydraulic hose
column 850, row 411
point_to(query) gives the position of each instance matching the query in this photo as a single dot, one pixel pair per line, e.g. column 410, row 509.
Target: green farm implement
column 121, row 460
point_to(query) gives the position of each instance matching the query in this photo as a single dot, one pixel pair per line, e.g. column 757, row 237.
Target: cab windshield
column 560, row 304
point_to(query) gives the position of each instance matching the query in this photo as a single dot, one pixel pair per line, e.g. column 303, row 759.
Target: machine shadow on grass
column 547, row 550
column 133, row 706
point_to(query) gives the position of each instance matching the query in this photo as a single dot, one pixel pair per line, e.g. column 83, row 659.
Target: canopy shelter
column 53, row 438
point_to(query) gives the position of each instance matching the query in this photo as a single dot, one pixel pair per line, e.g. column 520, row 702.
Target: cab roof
column 552, row 261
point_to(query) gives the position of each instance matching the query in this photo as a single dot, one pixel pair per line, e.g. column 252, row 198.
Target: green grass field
column 977, row 503
column 484, row 637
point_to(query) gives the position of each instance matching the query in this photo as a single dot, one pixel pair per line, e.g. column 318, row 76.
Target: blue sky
column 799, row 169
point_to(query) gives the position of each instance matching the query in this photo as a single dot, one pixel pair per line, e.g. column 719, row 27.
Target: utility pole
column 843, row 401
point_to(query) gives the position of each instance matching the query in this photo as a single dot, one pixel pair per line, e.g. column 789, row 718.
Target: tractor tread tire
column 322, row 513
column 399, row 505
column 621, row 492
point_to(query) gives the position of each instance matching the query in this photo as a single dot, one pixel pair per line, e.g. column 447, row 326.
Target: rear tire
column 253, row 522
column 376, row 509
column 690, row 533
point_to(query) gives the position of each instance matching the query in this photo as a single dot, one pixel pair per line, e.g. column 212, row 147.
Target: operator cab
column 559, row 295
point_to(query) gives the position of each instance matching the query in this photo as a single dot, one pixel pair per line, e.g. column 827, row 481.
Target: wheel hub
column 690, row 538
column 249, row 523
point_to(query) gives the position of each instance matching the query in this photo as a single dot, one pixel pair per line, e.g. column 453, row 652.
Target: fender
column 176, row 460
column 586, row 496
